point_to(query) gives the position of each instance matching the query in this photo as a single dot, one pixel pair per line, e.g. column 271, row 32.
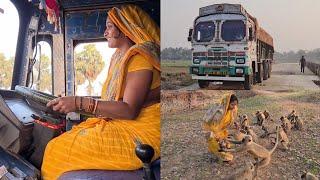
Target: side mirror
column 190, row 35
column 250, row 34
column 1, row 11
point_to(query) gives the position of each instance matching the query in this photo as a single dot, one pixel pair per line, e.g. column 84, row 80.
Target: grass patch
column 175, row 63
column 305, row 96
column 252, row 104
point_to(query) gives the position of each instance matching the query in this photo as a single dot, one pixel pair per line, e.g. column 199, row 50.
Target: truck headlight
column 195, row 70
column 240, row 61
column 239, row 71
column 196, row 61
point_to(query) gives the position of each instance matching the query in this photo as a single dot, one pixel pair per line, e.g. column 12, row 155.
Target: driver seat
column 111, row 175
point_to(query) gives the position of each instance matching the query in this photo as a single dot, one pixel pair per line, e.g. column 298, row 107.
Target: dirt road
column 284, row 76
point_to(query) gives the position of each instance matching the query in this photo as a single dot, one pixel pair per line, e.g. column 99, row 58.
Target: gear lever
column 145, row 153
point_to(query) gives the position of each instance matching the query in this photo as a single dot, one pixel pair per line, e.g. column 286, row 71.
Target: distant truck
column 229, row 45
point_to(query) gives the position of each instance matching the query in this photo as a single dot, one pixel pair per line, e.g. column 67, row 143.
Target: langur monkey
column 250, row 132
column 286, row 125
column 292, row 116
column 260, row 118
column 244, row 121
column 308, row 176
column 256, row 150
column 246, row 173
column 298, row 123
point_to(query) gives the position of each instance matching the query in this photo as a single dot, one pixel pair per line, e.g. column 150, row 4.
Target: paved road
column 284, row 77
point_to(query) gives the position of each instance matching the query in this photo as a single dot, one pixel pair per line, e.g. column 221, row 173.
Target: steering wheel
column 34, row 95
column 38, row 97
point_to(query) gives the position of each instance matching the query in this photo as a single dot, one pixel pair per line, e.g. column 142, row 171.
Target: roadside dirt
column 285, row 76
column 184, row 148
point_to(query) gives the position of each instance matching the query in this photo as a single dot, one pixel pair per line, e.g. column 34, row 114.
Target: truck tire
column 259, row 73
column 269, row 72
column 203, row 83
column 265, row 70
column 248, row 82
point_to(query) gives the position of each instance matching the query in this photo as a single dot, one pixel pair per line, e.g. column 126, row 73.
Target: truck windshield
column 233, row 30
column 204, row 31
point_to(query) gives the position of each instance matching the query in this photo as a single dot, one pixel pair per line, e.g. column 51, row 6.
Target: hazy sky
column 293, row 24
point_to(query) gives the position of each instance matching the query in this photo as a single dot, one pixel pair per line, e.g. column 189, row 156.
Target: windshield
column 233, row 30
column 204, row 31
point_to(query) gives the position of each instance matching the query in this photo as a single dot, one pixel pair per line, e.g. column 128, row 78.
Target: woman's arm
column 137, row 87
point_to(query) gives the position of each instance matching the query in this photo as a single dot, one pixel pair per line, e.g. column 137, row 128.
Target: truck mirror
column 190, row 34
column 250, row 34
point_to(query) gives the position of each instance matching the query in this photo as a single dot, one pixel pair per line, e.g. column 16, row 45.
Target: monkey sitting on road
column 298, row 123
column 267, row 115
column 250, row 132
column 283, row 138
column 246, row 173
column 269, row 132
column 244, row 121
column 260, row 118
column 308, row 176
column 286, row 125
column 291, row 116
column 256, row 150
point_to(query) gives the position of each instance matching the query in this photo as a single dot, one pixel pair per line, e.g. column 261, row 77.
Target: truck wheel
column 265, row 70
column 259, row 73
column 269, row 72
column 203, row 83
column 248, row 82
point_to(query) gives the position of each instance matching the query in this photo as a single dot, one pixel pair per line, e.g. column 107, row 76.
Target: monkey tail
column 277, row 140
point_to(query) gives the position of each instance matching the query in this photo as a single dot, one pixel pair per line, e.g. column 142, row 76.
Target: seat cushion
column 110, row 175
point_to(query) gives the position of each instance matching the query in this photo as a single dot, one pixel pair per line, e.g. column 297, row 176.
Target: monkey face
column 247, row 139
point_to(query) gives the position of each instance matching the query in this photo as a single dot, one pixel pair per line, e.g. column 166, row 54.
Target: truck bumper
column 217, row 78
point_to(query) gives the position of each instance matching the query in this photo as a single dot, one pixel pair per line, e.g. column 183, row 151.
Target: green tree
column 6, row 71
column 88, row 65
column 43, row 74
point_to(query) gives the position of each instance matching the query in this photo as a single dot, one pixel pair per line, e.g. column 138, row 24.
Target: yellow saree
column 109, row 144
column 216, row 120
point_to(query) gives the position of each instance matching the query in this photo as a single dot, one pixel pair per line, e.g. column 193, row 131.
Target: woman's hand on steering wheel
column 63, row 104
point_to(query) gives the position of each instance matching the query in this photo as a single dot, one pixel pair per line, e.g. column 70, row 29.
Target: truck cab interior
column 26, row 124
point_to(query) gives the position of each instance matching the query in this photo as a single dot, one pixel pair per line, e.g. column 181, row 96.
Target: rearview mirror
column 190, row 34
column 250, row 34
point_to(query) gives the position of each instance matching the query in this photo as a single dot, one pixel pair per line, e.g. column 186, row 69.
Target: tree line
column 290, row 56
column 88, row 65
